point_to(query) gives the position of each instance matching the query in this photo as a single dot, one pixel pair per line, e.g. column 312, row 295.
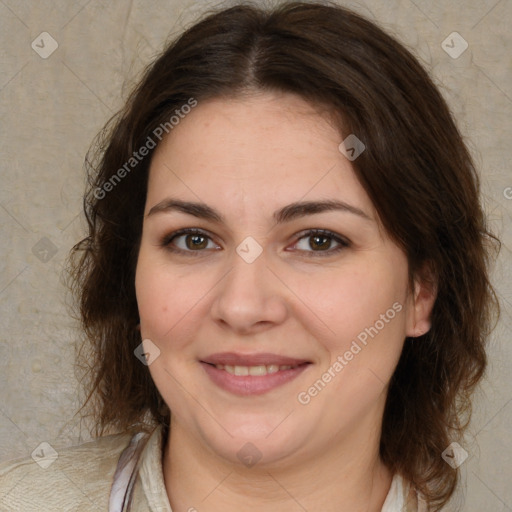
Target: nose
column 250, row 298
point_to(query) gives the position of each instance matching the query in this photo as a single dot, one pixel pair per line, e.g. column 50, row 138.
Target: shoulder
column 75, row 478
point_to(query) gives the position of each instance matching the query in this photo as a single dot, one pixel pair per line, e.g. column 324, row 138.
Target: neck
column 349, row 478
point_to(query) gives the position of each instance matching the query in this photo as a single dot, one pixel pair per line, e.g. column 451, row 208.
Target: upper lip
column 234, row 359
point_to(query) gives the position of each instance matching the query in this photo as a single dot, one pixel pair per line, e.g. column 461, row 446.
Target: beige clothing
column 80, row 479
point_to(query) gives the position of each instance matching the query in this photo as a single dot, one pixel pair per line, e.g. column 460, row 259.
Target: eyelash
column 166, row 241
column 343, row 243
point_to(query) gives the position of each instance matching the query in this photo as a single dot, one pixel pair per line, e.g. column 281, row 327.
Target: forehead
column 253, row 154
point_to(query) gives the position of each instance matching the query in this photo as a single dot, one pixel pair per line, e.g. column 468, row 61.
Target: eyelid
column 342, row 241
column 167, row 239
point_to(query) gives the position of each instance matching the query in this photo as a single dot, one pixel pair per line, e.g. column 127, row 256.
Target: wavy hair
column 416, row 170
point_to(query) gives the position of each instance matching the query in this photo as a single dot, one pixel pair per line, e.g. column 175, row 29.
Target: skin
column 247, row 158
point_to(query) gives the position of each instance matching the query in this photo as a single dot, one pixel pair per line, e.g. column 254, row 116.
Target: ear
column 421, row 303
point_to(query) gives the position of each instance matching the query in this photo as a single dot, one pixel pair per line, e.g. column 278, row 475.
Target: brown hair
column 416, row 170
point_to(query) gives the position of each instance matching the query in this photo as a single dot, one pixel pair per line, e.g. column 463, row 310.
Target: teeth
column 259, row 370
column 256, row 370
column 241, row 370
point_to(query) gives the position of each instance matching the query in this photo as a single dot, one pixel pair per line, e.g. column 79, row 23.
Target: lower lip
column 251, row 384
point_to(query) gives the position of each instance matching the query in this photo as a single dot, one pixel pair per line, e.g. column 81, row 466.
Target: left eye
column 320, row 241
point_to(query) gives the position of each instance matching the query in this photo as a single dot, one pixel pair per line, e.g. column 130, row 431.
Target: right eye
column 189, row 241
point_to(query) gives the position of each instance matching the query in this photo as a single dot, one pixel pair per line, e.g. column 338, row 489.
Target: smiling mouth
column 252, row 379
column 255, row 371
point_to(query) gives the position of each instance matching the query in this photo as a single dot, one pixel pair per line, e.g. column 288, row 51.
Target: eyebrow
column 285, row 214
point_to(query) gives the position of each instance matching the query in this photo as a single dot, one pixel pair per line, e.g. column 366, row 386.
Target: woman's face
column 280, row 318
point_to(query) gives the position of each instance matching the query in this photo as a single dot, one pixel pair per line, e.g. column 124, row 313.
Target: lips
column 252, row 374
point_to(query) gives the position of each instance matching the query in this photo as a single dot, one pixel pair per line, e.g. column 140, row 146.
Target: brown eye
column 189, row 241
column 320, row 242
column 195, row 242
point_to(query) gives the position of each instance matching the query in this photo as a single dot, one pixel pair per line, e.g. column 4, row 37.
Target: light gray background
column 52, row 108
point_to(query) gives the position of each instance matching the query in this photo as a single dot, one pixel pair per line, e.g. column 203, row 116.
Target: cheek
column 169, row 300
column 346, row 302
column 362, row 312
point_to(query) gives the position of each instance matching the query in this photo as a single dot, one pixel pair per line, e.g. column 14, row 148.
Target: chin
column 255, row 440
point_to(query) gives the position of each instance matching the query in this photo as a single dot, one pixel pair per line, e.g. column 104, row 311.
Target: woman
column 284, row 286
